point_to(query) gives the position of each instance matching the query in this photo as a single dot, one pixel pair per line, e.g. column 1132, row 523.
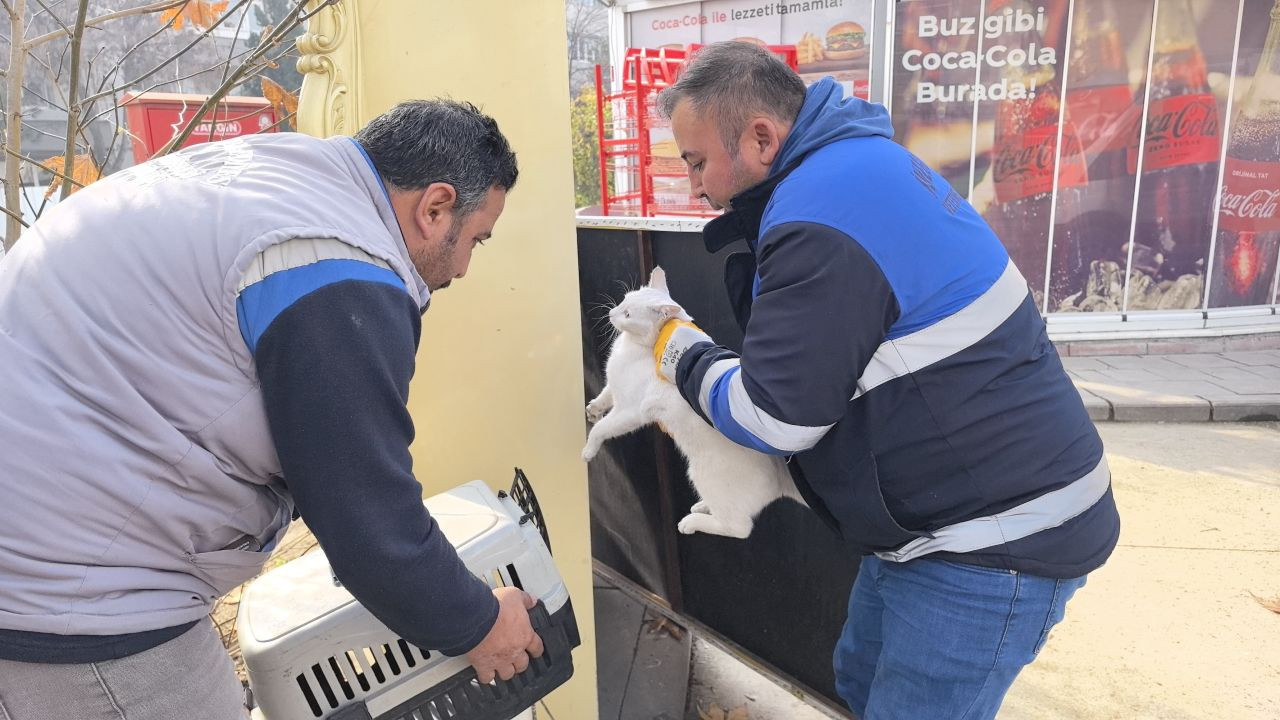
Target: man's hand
column 674, row 339
column 506, row 650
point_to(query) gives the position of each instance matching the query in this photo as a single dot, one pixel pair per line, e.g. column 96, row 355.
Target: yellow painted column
column 499, row 378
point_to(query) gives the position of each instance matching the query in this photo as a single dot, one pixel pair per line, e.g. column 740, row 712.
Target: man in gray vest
column 199, row 347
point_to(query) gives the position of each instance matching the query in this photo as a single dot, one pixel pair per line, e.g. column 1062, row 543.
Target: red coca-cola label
column 1250, row 197
column 1100, row 117
column 1023, row 164
column 1181, row 130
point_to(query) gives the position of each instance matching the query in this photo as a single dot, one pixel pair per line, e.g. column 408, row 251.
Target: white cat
column 734, row 482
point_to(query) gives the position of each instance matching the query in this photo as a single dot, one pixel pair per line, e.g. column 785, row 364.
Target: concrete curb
column 1195, row 387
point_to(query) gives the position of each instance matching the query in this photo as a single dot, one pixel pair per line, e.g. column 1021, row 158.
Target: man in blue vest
column 894, row 353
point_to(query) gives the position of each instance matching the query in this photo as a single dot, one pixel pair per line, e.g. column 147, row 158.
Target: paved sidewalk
column 1225, row 386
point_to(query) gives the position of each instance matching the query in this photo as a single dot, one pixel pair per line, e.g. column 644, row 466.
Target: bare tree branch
column 250, row 65
column 14, row 217
column 45, row 8
column 73, row 98
column 57, row 85
column 43, row 99
column 55, row 78
column 230, row 53
column 226, row 68
column 67, row 101
column 36, row 212
column 239, row 4
column 95, row 22
column 92, row 60
column 120, row 62
column 40, row 131
column 42, row 166
column 320, row 6
column 13, row 123
column 162, row 83
column 115, row 136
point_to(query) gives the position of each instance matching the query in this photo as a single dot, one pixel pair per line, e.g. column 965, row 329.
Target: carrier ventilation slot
column 473, row 697
column 345, row 677
column 503, row 577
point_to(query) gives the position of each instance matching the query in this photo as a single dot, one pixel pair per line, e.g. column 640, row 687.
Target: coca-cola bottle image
column 1180, row 164
column 1244, row 264
column 1102, row 111
column 1024, row 160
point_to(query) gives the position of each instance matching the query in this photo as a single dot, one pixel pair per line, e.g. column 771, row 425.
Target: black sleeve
column 335, row 368
column 822, row 309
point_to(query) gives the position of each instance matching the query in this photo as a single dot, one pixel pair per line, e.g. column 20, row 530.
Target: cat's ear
column 658, row 279
column 669, row 311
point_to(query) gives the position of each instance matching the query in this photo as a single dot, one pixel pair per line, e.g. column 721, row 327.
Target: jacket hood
column 827, row 116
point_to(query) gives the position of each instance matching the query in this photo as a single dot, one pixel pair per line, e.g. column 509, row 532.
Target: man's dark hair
column 420, row 142
column 731, row 82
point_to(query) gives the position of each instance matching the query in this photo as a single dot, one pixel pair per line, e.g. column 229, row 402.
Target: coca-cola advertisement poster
column 1103, row 186
column 831, row 37
column 1179, row 156
column 1109, row 47
column 932, row 117
column 1247, row 242
column 1022, row 142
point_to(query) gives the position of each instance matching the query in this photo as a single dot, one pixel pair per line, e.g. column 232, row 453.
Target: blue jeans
column 937, row 640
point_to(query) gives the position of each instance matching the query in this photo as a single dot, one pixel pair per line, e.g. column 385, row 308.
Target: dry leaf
column 738, row 713
column 284, row 102
column 200, row 13
column 1272, row 604
column 660, row 623
column 83, row 171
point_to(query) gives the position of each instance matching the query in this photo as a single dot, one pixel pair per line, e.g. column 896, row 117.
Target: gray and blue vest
column 136, row 452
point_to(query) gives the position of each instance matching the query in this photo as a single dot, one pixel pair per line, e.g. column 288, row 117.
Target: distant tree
column 587, row 29
column 586, row 147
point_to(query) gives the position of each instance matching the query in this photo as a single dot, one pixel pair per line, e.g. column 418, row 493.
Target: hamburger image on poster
column 842, row 47
column 846, row 41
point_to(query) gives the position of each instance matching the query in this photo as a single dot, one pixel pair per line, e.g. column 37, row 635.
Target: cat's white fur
column 734, row 482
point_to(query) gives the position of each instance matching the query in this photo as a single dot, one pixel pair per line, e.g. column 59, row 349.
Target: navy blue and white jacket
column 894, row 352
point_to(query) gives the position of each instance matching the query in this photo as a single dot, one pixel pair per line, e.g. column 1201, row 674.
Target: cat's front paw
column 701, row 507
column 712, row 525
column 595, row 411
column 692, row 523
column 589, row 451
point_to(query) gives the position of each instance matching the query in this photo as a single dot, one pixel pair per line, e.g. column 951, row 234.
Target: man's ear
column 763, row 138
column 435, row 206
